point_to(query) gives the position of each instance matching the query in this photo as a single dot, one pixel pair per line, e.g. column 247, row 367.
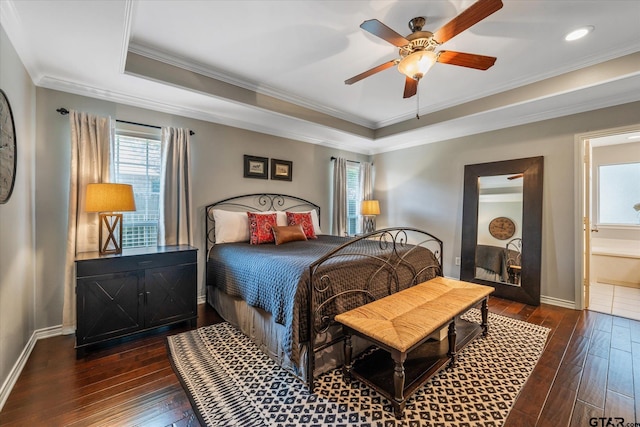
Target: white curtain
column 339, row 197
column 366, row 187
column 91, row 138
column 175, row 189
column 366, row 180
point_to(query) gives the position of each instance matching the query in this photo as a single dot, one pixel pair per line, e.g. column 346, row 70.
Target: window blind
column 136, row 161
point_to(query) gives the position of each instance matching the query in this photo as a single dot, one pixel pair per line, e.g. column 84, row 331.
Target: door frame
column 581, row 185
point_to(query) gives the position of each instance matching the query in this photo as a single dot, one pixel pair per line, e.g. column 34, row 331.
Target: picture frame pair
column 258, row 167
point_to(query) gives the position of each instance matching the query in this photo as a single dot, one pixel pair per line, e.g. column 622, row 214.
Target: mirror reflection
column 499, row 238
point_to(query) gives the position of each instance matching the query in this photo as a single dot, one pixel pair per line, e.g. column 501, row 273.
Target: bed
column 498, row 263
column 284, row 297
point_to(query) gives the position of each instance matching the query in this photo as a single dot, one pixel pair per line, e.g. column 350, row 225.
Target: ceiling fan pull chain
column 418, row 104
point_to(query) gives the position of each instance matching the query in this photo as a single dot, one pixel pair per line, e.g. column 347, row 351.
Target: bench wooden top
column 405, row 318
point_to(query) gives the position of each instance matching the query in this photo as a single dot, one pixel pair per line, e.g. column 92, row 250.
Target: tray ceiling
column 279, row 67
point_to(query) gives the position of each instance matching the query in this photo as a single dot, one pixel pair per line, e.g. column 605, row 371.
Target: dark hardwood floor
column 590, row 368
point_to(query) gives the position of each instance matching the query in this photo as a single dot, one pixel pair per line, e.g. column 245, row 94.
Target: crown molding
column 515, row 83
column 545, row 109
column 268, row 123
column 126, row 34
column 262, row 89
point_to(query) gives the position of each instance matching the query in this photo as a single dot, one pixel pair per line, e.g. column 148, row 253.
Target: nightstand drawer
column 116, row 264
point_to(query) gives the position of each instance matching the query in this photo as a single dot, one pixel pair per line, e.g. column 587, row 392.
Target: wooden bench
column 401, row 324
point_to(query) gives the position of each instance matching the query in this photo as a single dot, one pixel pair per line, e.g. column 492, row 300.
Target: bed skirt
column 260, row 327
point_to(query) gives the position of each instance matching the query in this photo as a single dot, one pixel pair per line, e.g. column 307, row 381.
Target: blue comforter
column 275, row 278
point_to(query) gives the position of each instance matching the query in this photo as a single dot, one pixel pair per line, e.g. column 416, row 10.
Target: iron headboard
column 258, row 202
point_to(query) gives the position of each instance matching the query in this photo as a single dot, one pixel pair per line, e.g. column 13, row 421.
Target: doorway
column 610, row 222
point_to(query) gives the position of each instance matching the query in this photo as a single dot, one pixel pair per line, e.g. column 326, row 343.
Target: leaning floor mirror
column 502, row 227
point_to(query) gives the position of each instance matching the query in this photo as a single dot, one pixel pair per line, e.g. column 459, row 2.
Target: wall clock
column 7, row 149
column 502, row 228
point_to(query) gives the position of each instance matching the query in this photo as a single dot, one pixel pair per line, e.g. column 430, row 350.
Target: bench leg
column 348, row 363
column 485, row 316
column 398, row 383
column 452, row 343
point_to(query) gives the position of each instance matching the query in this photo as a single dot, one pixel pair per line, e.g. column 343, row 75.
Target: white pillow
column 281, row 217
column 231, row 226
column 314, row 220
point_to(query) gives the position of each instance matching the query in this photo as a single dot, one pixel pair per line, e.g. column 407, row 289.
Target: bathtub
column 615, row 261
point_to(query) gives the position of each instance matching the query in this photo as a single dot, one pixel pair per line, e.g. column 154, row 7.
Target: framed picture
column 256, row 167
column 281, row 170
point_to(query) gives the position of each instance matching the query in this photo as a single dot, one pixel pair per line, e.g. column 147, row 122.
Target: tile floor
column 617, row 300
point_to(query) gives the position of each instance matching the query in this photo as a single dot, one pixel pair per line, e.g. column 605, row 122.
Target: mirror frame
column 532, row 169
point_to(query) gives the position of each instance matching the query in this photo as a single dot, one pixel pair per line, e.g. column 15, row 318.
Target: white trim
column 618, row 226
column 126, row 34
column 15, row 372
column 558, row 302
column 336, row 138
column 262, row 89
column 202, row 299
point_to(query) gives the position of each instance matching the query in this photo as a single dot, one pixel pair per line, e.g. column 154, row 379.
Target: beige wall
column 217, row 173
column 423, row 186
column 17, row 253
column 420, row 186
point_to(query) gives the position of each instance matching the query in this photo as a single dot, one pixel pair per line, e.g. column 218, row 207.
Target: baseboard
column 548, row 300
column 558, row 302
column 202, row 299
column 15, row 372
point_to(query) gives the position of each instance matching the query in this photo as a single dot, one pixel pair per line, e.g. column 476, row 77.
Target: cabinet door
column 108, row 306
column 171, row 294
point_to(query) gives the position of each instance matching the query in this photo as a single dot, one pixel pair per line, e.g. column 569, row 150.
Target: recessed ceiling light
column 579, row 33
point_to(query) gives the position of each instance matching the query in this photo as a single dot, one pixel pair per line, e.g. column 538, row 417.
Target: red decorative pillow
column 260, row 227
column 304, row 219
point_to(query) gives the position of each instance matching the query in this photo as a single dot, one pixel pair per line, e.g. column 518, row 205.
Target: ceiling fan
column 417, row 50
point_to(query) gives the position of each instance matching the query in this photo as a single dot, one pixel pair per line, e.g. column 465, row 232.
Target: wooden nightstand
column 138, row 290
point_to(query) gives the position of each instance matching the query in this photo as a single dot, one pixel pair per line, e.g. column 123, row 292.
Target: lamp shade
column 417, row 64
column 109, row 198
column 370, row 207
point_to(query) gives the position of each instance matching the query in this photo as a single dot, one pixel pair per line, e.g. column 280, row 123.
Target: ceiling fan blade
column 470, row 60
column 516, row 176
column 470, row 16
column 410, row 87
column 372, row 71
column 377, row 28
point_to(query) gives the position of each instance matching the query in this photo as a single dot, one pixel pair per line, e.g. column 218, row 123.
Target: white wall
column 17, row 255
column 423, row 186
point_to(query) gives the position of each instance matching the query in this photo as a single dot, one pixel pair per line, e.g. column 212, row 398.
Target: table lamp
column 106, row 199
column 369, row 209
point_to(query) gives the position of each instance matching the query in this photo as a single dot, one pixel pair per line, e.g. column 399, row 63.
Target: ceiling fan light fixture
column 579, row 33
column 416, row 64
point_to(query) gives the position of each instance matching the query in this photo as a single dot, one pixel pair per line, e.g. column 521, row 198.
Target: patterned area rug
column 232, row 383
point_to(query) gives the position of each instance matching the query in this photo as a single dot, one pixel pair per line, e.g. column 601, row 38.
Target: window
column 619, row 194
column 353, row 198
column 136, row 161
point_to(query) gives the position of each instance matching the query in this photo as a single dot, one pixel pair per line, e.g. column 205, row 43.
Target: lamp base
column 112, row 244
column 368, row 223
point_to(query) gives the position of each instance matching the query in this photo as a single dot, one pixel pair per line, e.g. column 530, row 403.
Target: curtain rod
column 352, row 161
column 64, row 112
